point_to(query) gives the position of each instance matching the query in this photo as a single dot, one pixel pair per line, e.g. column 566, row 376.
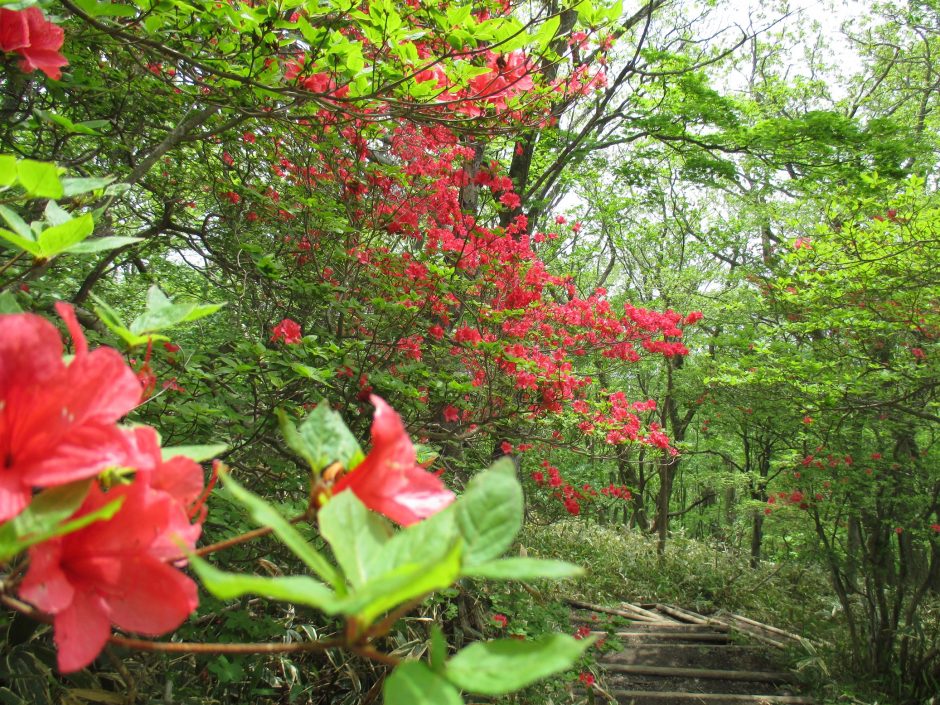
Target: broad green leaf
column 64, row 122
column 489, row 513
column 437, row 649
column 323, row 438
column 413, row 683
column 356, row 535
column 43, row 518
column 60, row 238
column 266, row 515
column 292, row 437
column 547, row 31
column 162, row 313
column 55, row 214
column 7, row 170
column 18, row 224
column 51, row 506
column 30, row 246
column 523, row 569
column 39, row 179
column 505, row 665
column 198, row 453
column 78, row 186
column 433, row 536
column 113, row 321
column 100, row 244
column 296, row 589
column 8, row 303
column 406, row 582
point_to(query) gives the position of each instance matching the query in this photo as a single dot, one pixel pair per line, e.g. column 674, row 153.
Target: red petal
column 14, row 495
column 67, row 312
column 45, row 584
column 42, row 33
column 81, row 631
column 101, row 386
column 156, row 598
column 389, row 481
column 143, row 517
column 30, row 350
column 14, row 30
column 49, row 62
column 81, row 452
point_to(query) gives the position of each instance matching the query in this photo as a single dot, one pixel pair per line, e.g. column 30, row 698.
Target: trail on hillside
column 673, row 656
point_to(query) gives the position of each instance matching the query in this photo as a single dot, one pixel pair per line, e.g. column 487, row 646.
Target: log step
column 690, row 656
column 656, row 637
column 700, row 673
column 653, row 697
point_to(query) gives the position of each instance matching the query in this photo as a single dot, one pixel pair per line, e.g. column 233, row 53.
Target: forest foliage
column 663, row 272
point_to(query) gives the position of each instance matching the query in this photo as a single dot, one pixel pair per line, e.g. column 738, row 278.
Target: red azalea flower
column 57, row 422
column 586, row 678
column 179, row 477
column 112, row 572
column 390, row 481
column 451, row 414
column 31, row 36
column 14, row 30
column 288, row 331
column 501, row 619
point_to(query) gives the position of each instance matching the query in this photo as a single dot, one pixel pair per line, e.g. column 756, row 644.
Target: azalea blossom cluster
column 59, row 425
column 573, row 497
column 497, row 79
column 418, row 243
column 36, row 40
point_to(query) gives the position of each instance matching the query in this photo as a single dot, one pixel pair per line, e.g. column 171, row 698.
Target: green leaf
column 7, row 170
column 323, row 438
column 489, row 513
column 162, row 313
column 547, row 31
column 404, row 583
column 39, row 179
column 433, row 536
column 113, row 321
column 266, row 515
column 296, row 589
column 437, row 649
column 413, row 683
column 199, row 453
column 505, row 665
column 64, row 122
column 8, row 303
column 356, row 535
column 30, row 246
column 524, row 569
column 55, row 214
column 60, row 238
column 100, row 244
column 18, row 224
column 78, row 186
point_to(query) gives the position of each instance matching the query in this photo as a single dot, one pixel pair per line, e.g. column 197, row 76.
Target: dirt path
column 672, row 656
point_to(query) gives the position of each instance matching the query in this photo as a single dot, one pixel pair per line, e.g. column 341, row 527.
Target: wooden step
column 700, row 673
column 677, row 628
column 653, row 697
column 665, row 636
column 656, row 627
column 690, row 656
